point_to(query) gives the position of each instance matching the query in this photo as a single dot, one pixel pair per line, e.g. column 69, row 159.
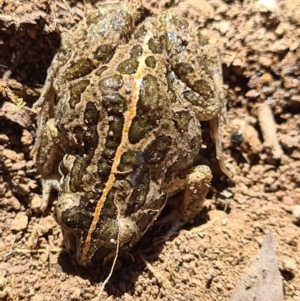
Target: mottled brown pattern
column 76, row 89
column 122, row 137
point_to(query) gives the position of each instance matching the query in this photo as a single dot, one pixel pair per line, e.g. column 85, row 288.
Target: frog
column 119, row 127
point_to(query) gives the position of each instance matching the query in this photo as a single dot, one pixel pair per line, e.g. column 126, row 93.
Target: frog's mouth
column 117, row 237
column 110, row 235
column 85, row 250
column 96, row 255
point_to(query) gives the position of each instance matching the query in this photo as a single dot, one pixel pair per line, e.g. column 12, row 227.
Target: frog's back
column 94, row 41
column 124, row 127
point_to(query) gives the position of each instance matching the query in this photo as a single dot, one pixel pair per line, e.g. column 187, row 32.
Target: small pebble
column 296, row 215
column 290, row 265
column 224, row 221
column 288, row 200
column 20, row 222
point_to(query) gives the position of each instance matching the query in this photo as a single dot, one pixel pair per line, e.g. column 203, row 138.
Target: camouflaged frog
column 119, row 129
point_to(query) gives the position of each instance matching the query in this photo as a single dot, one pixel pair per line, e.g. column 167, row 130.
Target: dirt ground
column 259, row 46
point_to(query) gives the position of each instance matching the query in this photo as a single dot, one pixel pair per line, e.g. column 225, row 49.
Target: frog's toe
column 49, row 183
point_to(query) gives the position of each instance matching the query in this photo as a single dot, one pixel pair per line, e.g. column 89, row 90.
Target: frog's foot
column 196, row 185
column 48, row 155
column 49, row 183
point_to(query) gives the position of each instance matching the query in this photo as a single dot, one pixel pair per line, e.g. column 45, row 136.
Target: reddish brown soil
column 259, row 45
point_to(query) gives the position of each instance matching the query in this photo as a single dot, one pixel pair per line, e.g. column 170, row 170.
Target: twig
column 268, row 128
column 161, row 279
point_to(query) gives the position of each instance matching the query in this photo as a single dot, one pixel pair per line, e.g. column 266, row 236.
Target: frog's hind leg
column 48, row 156
column 49, row 183
column 46, row 106
column 196, row 185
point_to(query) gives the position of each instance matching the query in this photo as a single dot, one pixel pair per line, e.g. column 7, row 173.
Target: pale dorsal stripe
column 128, row 117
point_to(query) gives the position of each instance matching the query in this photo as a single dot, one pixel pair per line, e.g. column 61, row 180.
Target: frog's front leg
column 196, row 183
column 48, row 156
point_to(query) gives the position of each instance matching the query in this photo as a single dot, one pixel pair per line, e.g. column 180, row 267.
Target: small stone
column 127, row 297
column 14, row 203
column 9, row 154
column 46, row 224
column 294, row 46
column 201, row 234
column 27, row 138
column 289, row 264
column 3, row 189
column 224, row 221
column 18, row 165
column 288, row 200
column 227, row 193
column 76, row 294
column 265, row 61
column 253, row 93
column 224, row 26
column 296, row 215
column 3, row 138
column 30, row 164
column 269, row 5
column 290, row 140
column 35, row 203
column 281, row 28
column 20, row 222
column 295, row 100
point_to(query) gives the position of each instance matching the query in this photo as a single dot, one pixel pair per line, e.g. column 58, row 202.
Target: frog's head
column 92, row 240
